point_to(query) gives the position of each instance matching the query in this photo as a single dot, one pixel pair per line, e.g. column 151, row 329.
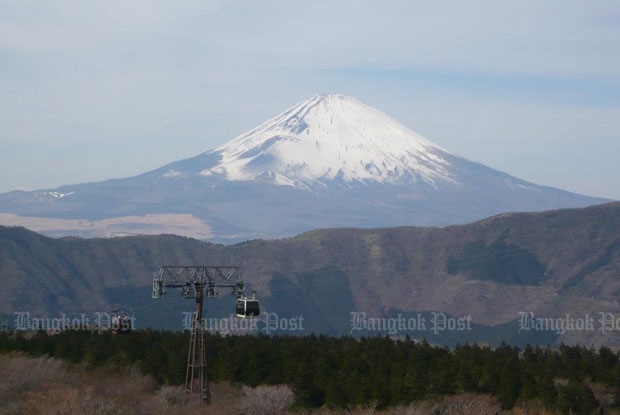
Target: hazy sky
column 91, row 90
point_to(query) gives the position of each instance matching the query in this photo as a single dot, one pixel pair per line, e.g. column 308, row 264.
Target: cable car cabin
column 247, row 307
column 121, row 324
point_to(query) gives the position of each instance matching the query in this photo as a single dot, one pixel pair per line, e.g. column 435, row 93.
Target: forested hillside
column 549, row 264
column 344, row 372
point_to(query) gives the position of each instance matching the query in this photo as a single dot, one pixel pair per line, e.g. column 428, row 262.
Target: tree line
column 336, row 372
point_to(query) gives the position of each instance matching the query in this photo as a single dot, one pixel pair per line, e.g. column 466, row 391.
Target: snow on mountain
column 330, row 137
column 329, row 161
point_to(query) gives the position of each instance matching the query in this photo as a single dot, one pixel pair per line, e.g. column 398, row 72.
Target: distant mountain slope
column 329, row 161
column 326, row 141
column 550, row 264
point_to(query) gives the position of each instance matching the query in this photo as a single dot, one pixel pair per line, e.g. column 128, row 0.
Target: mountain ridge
column 325, row 137
column 329, row 161
column 548, row 263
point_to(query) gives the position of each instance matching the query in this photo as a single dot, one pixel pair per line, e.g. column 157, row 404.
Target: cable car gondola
column 247, row 307
column 121, row 322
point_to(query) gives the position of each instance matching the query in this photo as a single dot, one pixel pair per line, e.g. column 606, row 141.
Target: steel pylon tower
column 197, row 282
column 196, row 376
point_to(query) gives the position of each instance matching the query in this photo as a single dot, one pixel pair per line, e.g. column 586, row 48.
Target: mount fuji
column 327, row 140
column 329, row 161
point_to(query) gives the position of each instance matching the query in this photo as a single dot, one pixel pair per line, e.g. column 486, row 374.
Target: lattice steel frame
column 198, row 282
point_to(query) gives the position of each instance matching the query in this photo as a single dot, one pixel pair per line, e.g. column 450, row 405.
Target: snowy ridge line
column 331, row 137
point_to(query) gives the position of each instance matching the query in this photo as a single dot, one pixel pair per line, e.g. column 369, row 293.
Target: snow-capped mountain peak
column 331, row 137
column 329, row 161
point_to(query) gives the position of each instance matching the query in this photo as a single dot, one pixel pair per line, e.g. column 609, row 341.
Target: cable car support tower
column 198, row 282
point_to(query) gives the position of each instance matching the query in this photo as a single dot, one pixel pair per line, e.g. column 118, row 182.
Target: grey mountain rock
column 329, row 161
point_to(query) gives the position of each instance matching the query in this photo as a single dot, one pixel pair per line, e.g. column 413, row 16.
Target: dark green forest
column 336, row 372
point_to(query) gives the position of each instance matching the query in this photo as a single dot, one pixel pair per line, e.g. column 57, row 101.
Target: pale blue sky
column 98, row 90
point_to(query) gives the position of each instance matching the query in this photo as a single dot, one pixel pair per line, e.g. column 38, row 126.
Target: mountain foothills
column 329, row 161
column 559, row 265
